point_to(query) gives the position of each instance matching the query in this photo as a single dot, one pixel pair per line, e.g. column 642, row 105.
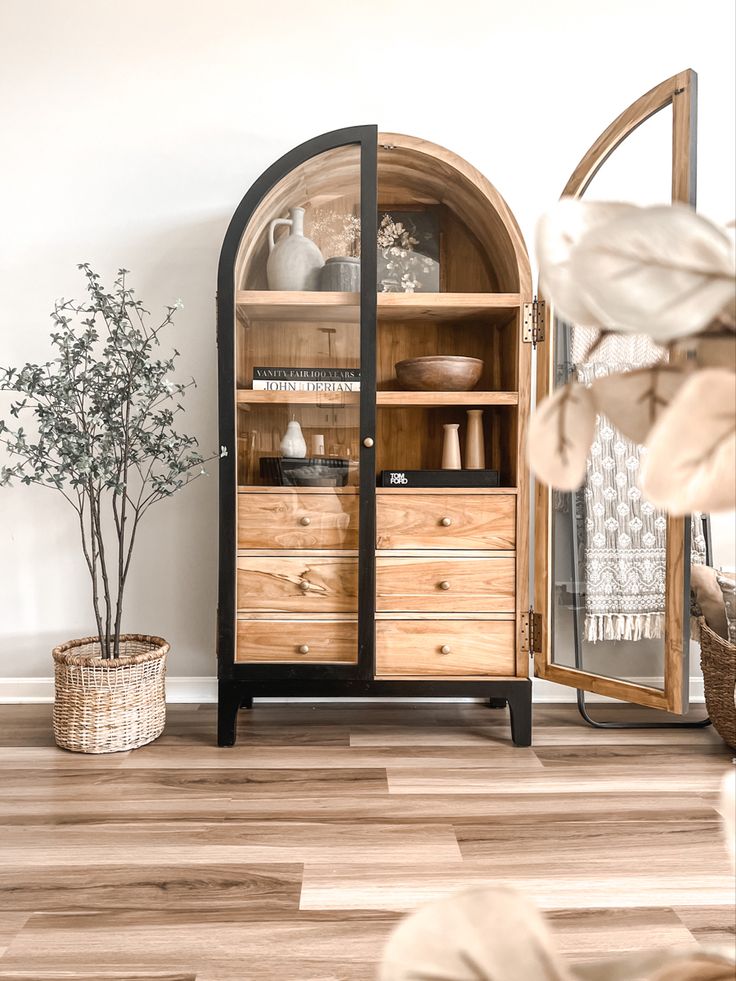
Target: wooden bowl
column 439, row 373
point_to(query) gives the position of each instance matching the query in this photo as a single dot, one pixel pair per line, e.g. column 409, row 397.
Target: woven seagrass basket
column 107, row 706
column 718, row 661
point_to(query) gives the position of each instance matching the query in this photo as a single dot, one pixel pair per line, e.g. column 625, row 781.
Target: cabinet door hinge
column 533, row 327
column 531, row 632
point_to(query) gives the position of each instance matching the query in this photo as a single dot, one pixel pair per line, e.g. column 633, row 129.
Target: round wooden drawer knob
column 446, row 522
column 368, row 442
column 304, row 586
column 304, row 649
column 305, row 521
column 445, row 649
column 444, row 584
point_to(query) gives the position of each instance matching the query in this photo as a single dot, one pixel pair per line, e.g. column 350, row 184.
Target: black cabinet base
column 234, row 693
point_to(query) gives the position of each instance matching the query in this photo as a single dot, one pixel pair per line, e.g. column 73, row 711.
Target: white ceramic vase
column 294, row 262
column 451, row 447
column 293, row 444
column 475, row 455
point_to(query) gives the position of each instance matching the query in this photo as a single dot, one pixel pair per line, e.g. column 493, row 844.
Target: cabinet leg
column 246, row 702
column 520, row 709
column 228, row 702
column 497, row 703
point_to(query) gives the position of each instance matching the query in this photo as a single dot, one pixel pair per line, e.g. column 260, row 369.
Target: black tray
column 439, row 478
column 310, row 471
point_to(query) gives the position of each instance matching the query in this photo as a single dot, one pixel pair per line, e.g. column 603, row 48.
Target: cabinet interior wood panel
column 446, row 521
column 445, row 648
column 297, row 584
column 299, row 641
column 293, row 519
column 492, row 337
column 410, row 437
column 445, row 585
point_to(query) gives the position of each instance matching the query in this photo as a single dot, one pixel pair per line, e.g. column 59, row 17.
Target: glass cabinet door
column 296, row 275
column 611, row 570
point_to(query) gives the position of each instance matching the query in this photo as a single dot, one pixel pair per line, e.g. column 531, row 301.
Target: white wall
column 131, row 129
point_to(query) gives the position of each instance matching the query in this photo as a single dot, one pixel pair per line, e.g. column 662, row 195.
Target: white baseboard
column 204, row 690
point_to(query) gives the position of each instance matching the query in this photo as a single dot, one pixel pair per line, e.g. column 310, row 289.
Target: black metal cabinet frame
column 238, row 684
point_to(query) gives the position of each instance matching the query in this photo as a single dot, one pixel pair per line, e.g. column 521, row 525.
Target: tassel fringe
column 624, row 626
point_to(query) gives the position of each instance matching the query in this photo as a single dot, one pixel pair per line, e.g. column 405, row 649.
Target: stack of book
column 306, row 379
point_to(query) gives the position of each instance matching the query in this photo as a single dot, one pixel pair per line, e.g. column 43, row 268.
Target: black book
column 306, row 374
column 439, row 478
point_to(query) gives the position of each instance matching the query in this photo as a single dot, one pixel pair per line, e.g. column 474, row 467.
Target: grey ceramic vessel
column 341, row 274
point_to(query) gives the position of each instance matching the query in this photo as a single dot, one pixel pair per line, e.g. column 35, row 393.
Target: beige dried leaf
column 560, row 434
column 559, row 233
column 634, row 401
column 663, row 271
column 691, row 464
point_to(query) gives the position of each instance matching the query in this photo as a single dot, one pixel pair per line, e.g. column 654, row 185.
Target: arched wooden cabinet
column 330, row 583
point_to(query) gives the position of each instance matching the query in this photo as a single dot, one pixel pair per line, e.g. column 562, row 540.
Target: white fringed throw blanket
column 625, row 535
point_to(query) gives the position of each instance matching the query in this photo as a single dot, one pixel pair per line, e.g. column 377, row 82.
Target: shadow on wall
column 44, row 584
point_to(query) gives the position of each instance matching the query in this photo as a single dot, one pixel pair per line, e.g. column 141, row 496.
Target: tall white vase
column 451, row 447
column 475, row 454
column 294, row 262
column 293, row 444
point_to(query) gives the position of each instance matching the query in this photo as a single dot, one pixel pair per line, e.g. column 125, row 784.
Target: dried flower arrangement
column 103, row 411
column 336, row 233
column 668, row 273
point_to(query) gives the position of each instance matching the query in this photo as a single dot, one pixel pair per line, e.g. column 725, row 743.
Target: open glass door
column 611, row 582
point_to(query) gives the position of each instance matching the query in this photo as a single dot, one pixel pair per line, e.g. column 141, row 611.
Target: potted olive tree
column 102, row 435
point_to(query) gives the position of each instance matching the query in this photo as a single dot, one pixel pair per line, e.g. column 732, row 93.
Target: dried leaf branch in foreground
column 670, row 274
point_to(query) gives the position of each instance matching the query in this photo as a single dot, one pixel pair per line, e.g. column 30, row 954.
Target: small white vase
column 294, row 262
column 293, row 444
column 451, row 447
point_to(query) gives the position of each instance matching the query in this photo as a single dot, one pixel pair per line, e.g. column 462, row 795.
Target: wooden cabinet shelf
column 446, row 306
column 300, row 491
column 446, row 398
column 341, row 308
column 344, row 308
column 247, row 396
column 449, row 491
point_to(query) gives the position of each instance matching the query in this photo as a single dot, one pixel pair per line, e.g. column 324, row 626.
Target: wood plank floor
column 291, row 856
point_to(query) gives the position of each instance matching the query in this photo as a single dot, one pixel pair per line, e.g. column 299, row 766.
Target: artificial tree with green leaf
column 103, row 431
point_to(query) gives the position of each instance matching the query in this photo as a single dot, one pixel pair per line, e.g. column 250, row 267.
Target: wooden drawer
column 286, row 640
column 445, row 585
column 294, row 584
column 445, row 648
column 297, row 520
column 446, row 521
